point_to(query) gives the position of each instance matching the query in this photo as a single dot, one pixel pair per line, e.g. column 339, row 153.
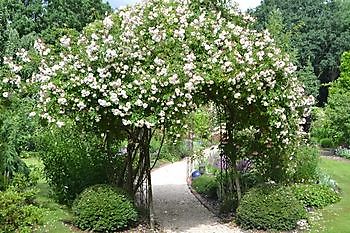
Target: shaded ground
column 176, row 208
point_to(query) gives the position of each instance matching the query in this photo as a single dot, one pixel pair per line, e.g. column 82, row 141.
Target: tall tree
column 322, row 33
column 74, row 14
column 25, row 19
column 283, row 39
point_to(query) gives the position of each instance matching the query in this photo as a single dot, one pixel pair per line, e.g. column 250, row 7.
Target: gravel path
column 175, row 207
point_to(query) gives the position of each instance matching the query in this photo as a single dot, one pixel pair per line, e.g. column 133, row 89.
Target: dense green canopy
column 21, row 21
column 320, row 32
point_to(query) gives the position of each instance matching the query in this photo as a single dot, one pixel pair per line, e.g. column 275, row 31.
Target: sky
column 243, row 4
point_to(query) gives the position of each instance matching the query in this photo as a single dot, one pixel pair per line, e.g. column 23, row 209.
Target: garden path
column 176, row 208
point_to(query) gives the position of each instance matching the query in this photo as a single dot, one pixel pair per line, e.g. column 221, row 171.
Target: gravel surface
column 177, row 209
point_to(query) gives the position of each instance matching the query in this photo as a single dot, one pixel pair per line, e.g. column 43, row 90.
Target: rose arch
column 147, row 66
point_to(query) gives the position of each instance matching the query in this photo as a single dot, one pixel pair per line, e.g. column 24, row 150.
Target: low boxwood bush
column 206, row 185
column 326, row 142
column 270, row 208
column 17, row 212
column 315, row 195
column 103, row 208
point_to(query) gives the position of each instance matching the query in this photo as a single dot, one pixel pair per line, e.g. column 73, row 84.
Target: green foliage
column 326, row 180
column 320, row 33
column 170, row 151
column 103, row 208
column 270, row 208
column 334, row 121
column 337, row 110
column 276, row 27
column 305, row 165
column 284, row 39
column 74, row 14
column 201, row 122
column 22, row 182
column 250, row 179
column 321, row 126
column 18, row 126
column 17, row 212
column 23, row 21
column 315, row 195
column 206, row 185
column 229, row 203
column 343, row 152
column 17, row 132
column 311, row 83
column 326, row 142
column 75, row 160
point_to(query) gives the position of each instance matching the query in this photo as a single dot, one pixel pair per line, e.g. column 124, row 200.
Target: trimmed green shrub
column 270, row 208
column 103, row 208
column 17, row 212
column 206, row 185
column 315, row 195
column 326, row 142
column 306, row 165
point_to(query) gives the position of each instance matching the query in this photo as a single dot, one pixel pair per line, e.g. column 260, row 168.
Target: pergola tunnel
column 145, row 68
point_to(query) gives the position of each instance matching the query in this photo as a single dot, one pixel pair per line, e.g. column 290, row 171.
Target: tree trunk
column 129, row 176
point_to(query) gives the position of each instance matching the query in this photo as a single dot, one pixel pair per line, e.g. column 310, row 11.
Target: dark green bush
column 103, row 208
column 306, row 165
column 250, row 179
column 326, row 142
column 229, row 203
column 206, row 185
column 270, row 208
column 17, row 212
column 315, row 195
column 22, row 182
column 74, row 160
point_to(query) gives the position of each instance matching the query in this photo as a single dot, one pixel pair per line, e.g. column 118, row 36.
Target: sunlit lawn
column 336, row 218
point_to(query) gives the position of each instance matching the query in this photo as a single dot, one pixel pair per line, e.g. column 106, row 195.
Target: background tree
column 22, row 19
column 283, row 39
column 322, row 33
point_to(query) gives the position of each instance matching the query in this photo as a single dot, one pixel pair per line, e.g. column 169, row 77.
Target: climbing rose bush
column 150, row 64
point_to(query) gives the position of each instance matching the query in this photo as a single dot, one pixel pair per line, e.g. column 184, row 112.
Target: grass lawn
column 54, row 214
column 335, row 218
